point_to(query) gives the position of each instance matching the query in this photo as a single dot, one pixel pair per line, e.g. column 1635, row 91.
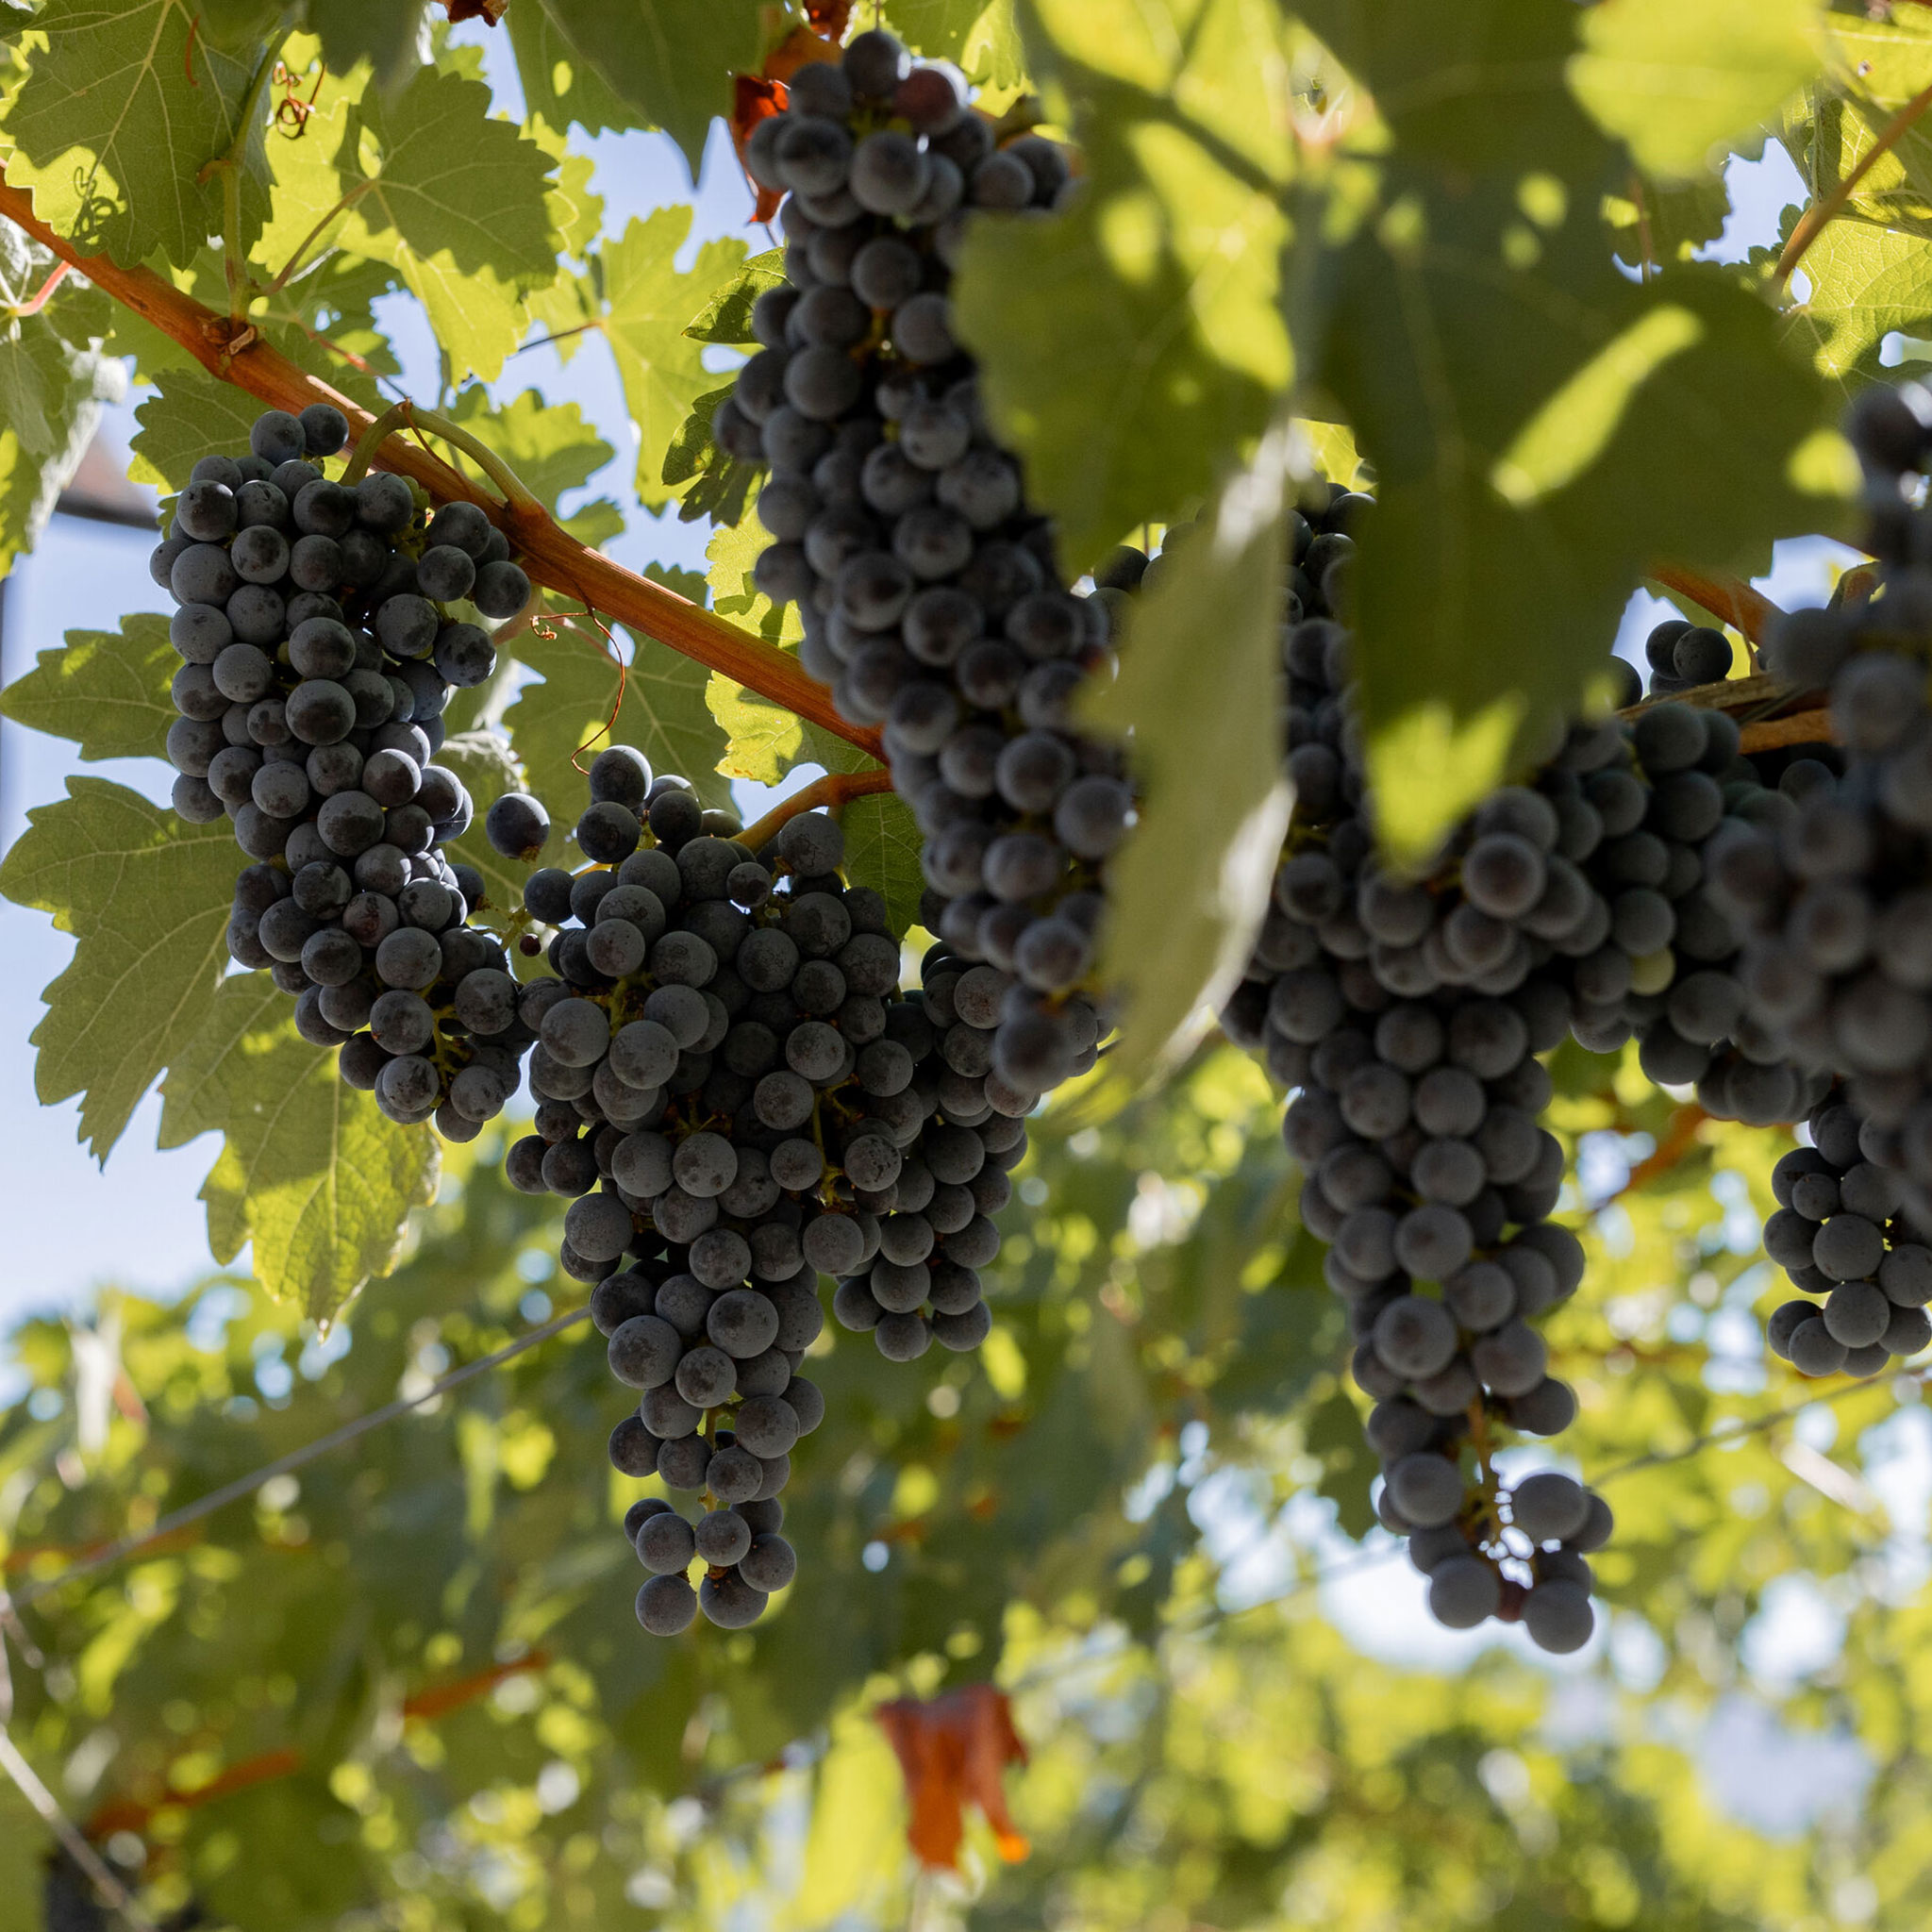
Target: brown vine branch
column 1730, row 598
column 550, row 555
column 1762, row 707
column 835, row 788
column 1820, row 213
column 427, row 1706
column 1801, row 727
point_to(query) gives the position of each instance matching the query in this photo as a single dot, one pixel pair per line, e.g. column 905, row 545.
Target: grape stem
column 1801, row 727
column 229, row 166
column 1756, row 703
column 548, row 554
column 517, row 500
column 834, row 789
column 1821, row 213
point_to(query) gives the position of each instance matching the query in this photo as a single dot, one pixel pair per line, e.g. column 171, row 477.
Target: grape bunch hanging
column 933, row 601
column 735, row 1097
column 317, row 627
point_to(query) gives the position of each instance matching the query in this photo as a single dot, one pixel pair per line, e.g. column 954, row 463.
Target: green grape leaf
column 566, row 313
column 35, row 375
column 559, row 88
column 763, row 741
column 1678, row 84
column 1869, row 271
column 147, row 899
column 549, row 445
column 1329, row 449
column 662, row 710
column 720, row 484
column 668, row 65
column 1878, row 67
column 1199, row 693
column 233, row 23
column 425, row 182
column 386, row 33
column 1131, row 345
column 882, row 848
column 649, row 302
column 1567, row 383
column 577, row 210
column 311, row 1172
column 52, row 377
column 979, row 37
column 1866, row 281
column 312, row 174
column 32, row 481
column 1668, row 222
column 108, row 691
column 1595, row 424
column 733, row 554
column 190, row 413
column 458, row 204
column 596, row 522
column 726, row 317
column 122, row 108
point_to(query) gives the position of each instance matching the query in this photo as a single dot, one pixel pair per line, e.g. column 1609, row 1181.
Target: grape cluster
column 1430, row 1180
column 1667, row 807
column 931, row 598
column 1836, row 895
column 1680, row 656
column 1840, row 1231
column 318, row 655
column 923, row 1285
column 1408, row 1015
column 737, row 1098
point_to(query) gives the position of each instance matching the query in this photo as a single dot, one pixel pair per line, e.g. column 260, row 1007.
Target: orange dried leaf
column 953, row 1751
column 756, row 96
column 490, row 11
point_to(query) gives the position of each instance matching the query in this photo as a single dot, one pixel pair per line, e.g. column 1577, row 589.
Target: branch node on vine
column 834, row 789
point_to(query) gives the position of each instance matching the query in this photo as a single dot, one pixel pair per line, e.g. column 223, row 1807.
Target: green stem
column 231, row 240
column 372, row 439
column 229, row 166
column 342, row 203
column 516, row 494
column 563, row 335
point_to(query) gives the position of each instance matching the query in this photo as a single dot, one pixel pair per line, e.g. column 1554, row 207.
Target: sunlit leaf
column 310, row 1172
column 1199, row 694
column 146, row 897
column 1678, row 82
column 123, row 108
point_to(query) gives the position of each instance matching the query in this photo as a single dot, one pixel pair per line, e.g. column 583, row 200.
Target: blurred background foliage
column 404, row 1688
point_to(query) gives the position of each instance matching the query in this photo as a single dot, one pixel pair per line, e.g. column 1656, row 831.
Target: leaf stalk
column 1821, row 213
